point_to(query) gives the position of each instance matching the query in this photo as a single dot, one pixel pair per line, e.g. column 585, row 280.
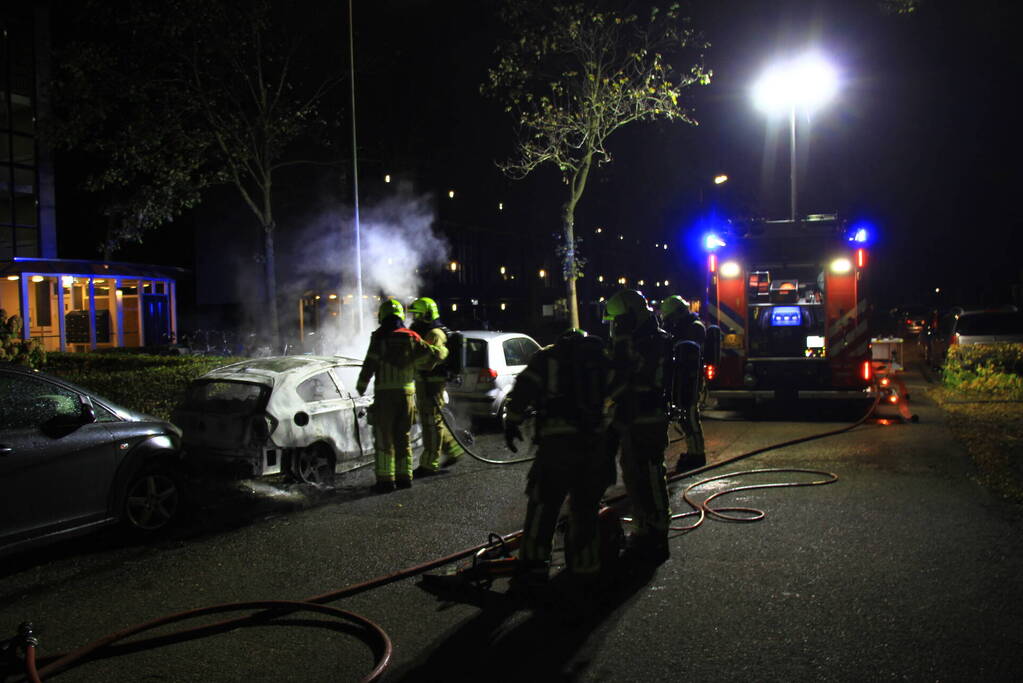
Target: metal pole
column 792, row 163
column 355, row 179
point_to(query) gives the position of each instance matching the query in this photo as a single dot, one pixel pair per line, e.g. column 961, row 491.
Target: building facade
column 70, row 305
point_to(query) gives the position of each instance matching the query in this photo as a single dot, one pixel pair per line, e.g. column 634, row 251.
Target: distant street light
column 720, row 179
column 803, row 83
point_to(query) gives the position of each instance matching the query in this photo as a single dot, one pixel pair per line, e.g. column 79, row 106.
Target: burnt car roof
column 272, row 367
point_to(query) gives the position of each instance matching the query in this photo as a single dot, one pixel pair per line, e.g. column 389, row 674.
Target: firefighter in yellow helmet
column 430, row 382
column 394, row 355
column 688, row 334
column 640, row 351
column 566, row 384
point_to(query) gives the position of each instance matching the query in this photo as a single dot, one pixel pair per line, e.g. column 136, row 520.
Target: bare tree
column 251, row 106
column 572, row 75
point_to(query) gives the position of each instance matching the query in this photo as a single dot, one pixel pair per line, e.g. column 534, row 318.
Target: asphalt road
column 904, row 569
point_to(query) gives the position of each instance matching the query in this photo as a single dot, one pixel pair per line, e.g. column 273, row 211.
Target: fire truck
column 790, row 301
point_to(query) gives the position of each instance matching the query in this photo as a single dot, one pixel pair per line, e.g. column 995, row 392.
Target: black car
column 72, row 462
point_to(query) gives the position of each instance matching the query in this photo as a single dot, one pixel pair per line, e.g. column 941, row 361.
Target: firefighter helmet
column 673, row 304
column 625, row 302
column 390, row 307
column 424, row 308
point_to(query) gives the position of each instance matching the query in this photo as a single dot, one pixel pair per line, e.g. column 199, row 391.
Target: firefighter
column 639, row 421
column 685, row 326
column 430, row 382
column 394, row 355
column 566, row 384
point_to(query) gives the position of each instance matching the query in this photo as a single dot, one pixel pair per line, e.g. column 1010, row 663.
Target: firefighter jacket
column 394, row 356
column 686, row 327
column 434, row 334
column 640, row 360
column 566, row 383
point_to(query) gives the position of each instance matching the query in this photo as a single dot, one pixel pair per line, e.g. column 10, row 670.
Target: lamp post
column 802, row 83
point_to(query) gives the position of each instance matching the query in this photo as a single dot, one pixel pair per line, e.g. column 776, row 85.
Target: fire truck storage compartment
column 792, row 331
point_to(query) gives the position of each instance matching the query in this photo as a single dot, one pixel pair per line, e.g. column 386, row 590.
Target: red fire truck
column 789, row 299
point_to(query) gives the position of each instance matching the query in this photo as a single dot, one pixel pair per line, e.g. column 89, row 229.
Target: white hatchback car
column 492, row 360
column 294, row 414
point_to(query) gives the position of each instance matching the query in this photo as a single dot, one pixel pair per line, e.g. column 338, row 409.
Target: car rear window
column 475, row 353
column 518, row 351
column 221, row 396
column 990, row 323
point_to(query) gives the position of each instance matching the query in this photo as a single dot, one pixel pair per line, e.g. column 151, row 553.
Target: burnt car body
column 297, row 415
column 72, row 462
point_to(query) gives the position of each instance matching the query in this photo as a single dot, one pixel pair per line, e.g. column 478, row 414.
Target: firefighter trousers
column 692, row 427
column 437, row 438
column 393, row 414
column 573, row 466
column 645, row 476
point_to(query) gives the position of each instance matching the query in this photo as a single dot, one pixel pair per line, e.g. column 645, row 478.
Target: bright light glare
column 712, row 241
column 719, row 179
column 841, row 265
column 804, row 83
column 730, row 269
column 860, row 235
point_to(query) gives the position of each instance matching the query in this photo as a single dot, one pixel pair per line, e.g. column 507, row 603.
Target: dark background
column 921, row 141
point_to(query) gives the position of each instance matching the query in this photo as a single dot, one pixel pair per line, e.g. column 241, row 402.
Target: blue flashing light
column 786, row 316
column 860, row 235
column 712, row 242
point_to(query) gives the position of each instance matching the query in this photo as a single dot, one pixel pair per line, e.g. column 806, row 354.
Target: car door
column 347, row 376
column 331, row 417
column 55, row 466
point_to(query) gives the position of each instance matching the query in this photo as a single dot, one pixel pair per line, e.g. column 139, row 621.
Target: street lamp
column 804, row 83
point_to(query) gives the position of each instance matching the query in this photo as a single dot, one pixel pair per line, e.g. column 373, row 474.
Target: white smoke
column 399, row 247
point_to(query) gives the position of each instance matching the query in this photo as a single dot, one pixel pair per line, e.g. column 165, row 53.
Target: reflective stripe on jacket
column 393, row 357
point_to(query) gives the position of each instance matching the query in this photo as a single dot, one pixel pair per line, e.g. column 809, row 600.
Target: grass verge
column 992, row 432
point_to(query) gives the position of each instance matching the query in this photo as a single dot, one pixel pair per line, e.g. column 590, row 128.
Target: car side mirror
column 88, row 413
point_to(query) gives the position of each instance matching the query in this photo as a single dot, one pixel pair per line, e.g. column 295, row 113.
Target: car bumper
column 475, row 405
column 248, row 462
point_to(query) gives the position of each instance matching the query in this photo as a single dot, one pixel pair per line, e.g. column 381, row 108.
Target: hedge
column 991, row 370
column 150, row 384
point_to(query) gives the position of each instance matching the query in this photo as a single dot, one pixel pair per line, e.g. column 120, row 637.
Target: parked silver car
column 72, row 462
column 959, row 327
column 298, row 415
column 491, row 362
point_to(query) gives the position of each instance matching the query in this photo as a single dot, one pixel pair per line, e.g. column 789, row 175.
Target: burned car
column 297, row 415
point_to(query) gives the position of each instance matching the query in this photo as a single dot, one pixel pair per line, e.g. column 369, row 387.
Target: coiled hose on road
column 372, row 634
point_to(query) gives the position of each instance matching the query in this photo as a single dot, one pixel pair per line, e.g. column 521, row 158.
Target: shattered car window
column 26, row 402
column 226, row 397
column 318, row 388
column 347, row 376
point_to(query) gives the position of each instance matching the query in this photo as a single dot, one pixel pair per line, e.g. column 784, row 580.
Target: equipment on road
column 790, row 299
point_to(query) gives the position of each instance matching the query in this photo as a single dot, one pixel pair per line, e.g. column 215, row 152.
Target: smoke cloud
column 399, row 246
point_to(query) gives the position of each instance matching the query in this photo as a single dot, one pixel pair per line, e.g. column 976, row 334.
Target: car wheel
column 152, row 500
column 313, row 465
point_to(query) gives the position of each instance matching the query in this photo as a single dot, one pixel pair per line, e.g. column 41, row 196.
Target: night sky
column 922, row 140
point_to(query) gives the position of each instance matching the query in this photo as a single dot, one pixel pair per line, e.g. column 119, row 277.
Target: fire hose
column 372, row 634
column 458, row 434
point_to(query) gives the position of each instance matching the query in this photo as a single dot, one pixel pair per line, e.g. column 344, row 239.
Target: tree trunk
column 569, row 265
column 270, row 276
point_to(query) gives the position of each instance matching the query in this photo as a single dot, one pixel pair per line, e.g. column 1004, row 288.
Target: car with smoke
column 72, row 462
column 293, row 415
column 489, row 362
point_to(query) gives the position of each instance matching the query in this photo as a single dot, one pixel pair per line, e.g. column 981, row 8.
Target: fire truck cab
column 789, row 299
